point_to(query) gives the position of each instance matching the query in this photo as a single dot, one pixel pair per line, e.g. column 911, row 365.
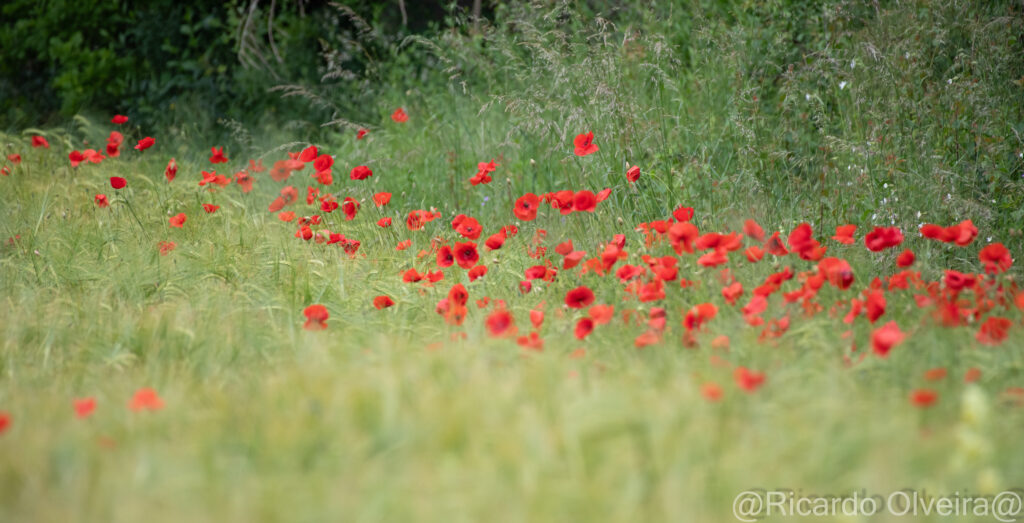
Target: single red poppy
column 316, row 317
column 84, row 407
column 39, row 141
column 579, row 297
column 747, row 379
column 217, row 155
column 117, row 182
column 381, row 199
column 500, row 323
column 178, row 220
column 145, row 143
column 119, row 119
column 466, row 255
column 633, row 174
column 101, row 200
column 584, row 144
column 400, row 115
column 905, row 259
column 361, row 133
column 996, row 258
column 526, row 207
column 924, row 398
column 994, row 331
column 145, row 399
column 210, row 208
column 383, row 302
column 884, row 338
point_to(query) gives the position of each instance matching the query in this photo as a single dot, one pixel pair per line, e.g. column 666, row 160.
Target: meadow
column 558, row 265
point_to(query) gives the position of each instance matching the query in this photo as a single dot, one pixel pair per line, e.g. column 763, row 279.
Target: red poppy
column 601, row 314
column 774, row 245
column 584, row 201
column 84, row 407
column 752, row 229
column 477, row 272
column 217, row 155
column 39, row 141
column 483, row 173
column 584, row 144
column 466, row 255
column 350, row 206
column 381, row 199
column 119, row 119
column 579, row 297
column 747, row 379
column 210, row 208
column 633, row 174
column 881, row 238
column 361, row 133
column 145, row 143
column 445, row 258
column 178, row 220
column 495, row 241
column 117, row 182
column 924, row 398
column 837, row 272
column 711, row 391
column 958, row 281
column 972, row 374
column 166, row 247
column 146, row 399
column 962, row 234
column 884, row 338
column 905, row 259
column 5, row 421
column 844, row 234
column 875, row 305
column 383, row 302
column 936, row 374
column 500, row 323
column 14, row 158
column 732, row 292
column 286, row 216
column 994, row 331
column 101, row 200
column 316, row 317
column 996, row 258
column 399, row 115
column 76, row 158
column 526, row 207
column 583, row 328
column 698, row 315
column 171, row 170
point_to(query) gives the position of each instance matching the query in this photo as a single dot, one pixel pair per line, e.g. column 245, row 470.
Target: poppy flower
column 119, row 119
column 583, row 328
column 316, row 317
column 217, row 155
column 14, row 158
column 844, row 234
column 5, row 421
column 601, row 314
column 308, row 154
column 178, row 220
column 101, row 201
column 996, row 258
column 495, row 241
column 884, row 338
column 84, row 407
column 711, row 391
column 76, row 158
column 383, row 302
column 477, row 272
column 350, row 206
column 466, row 255
column 633, row 174
column 747, row 379
column 905, row 259
column 500, row 323
column 526, row 207
column 400, row 116
column 171, row 170
column 584, row 201
column 753, row 230
column 881, row 238
column 958, row 281
column 39, row 141
column 166, row 247
column 972, row 374
column 732, row 292
column 924, row 398
column 145, row 143
column 875, row 305
column 381, row 199
column 579, row 297
column 994, row 331
column 584, row 144
column 117, row 182
column 145, row 399
column 774, row 245
column 361, row 133
column 936, row 374
column 483, row 173
column 698, row 315
column 210, row 208
column 837, row 272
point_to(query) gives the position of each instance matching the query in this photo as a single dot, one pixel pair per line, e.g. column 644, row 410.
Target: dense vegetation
column 184, row 294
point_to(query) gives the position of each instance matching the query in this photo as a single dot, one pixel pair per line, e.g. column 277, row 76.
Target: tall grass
column 780, row 111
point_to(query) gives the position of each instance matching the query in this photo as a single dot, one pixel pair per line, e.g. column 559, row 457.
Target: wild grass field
column 569, row 266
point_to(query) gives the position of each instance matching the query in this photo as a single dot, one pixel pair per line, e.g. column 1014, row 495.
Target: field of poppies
column 617, row 304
